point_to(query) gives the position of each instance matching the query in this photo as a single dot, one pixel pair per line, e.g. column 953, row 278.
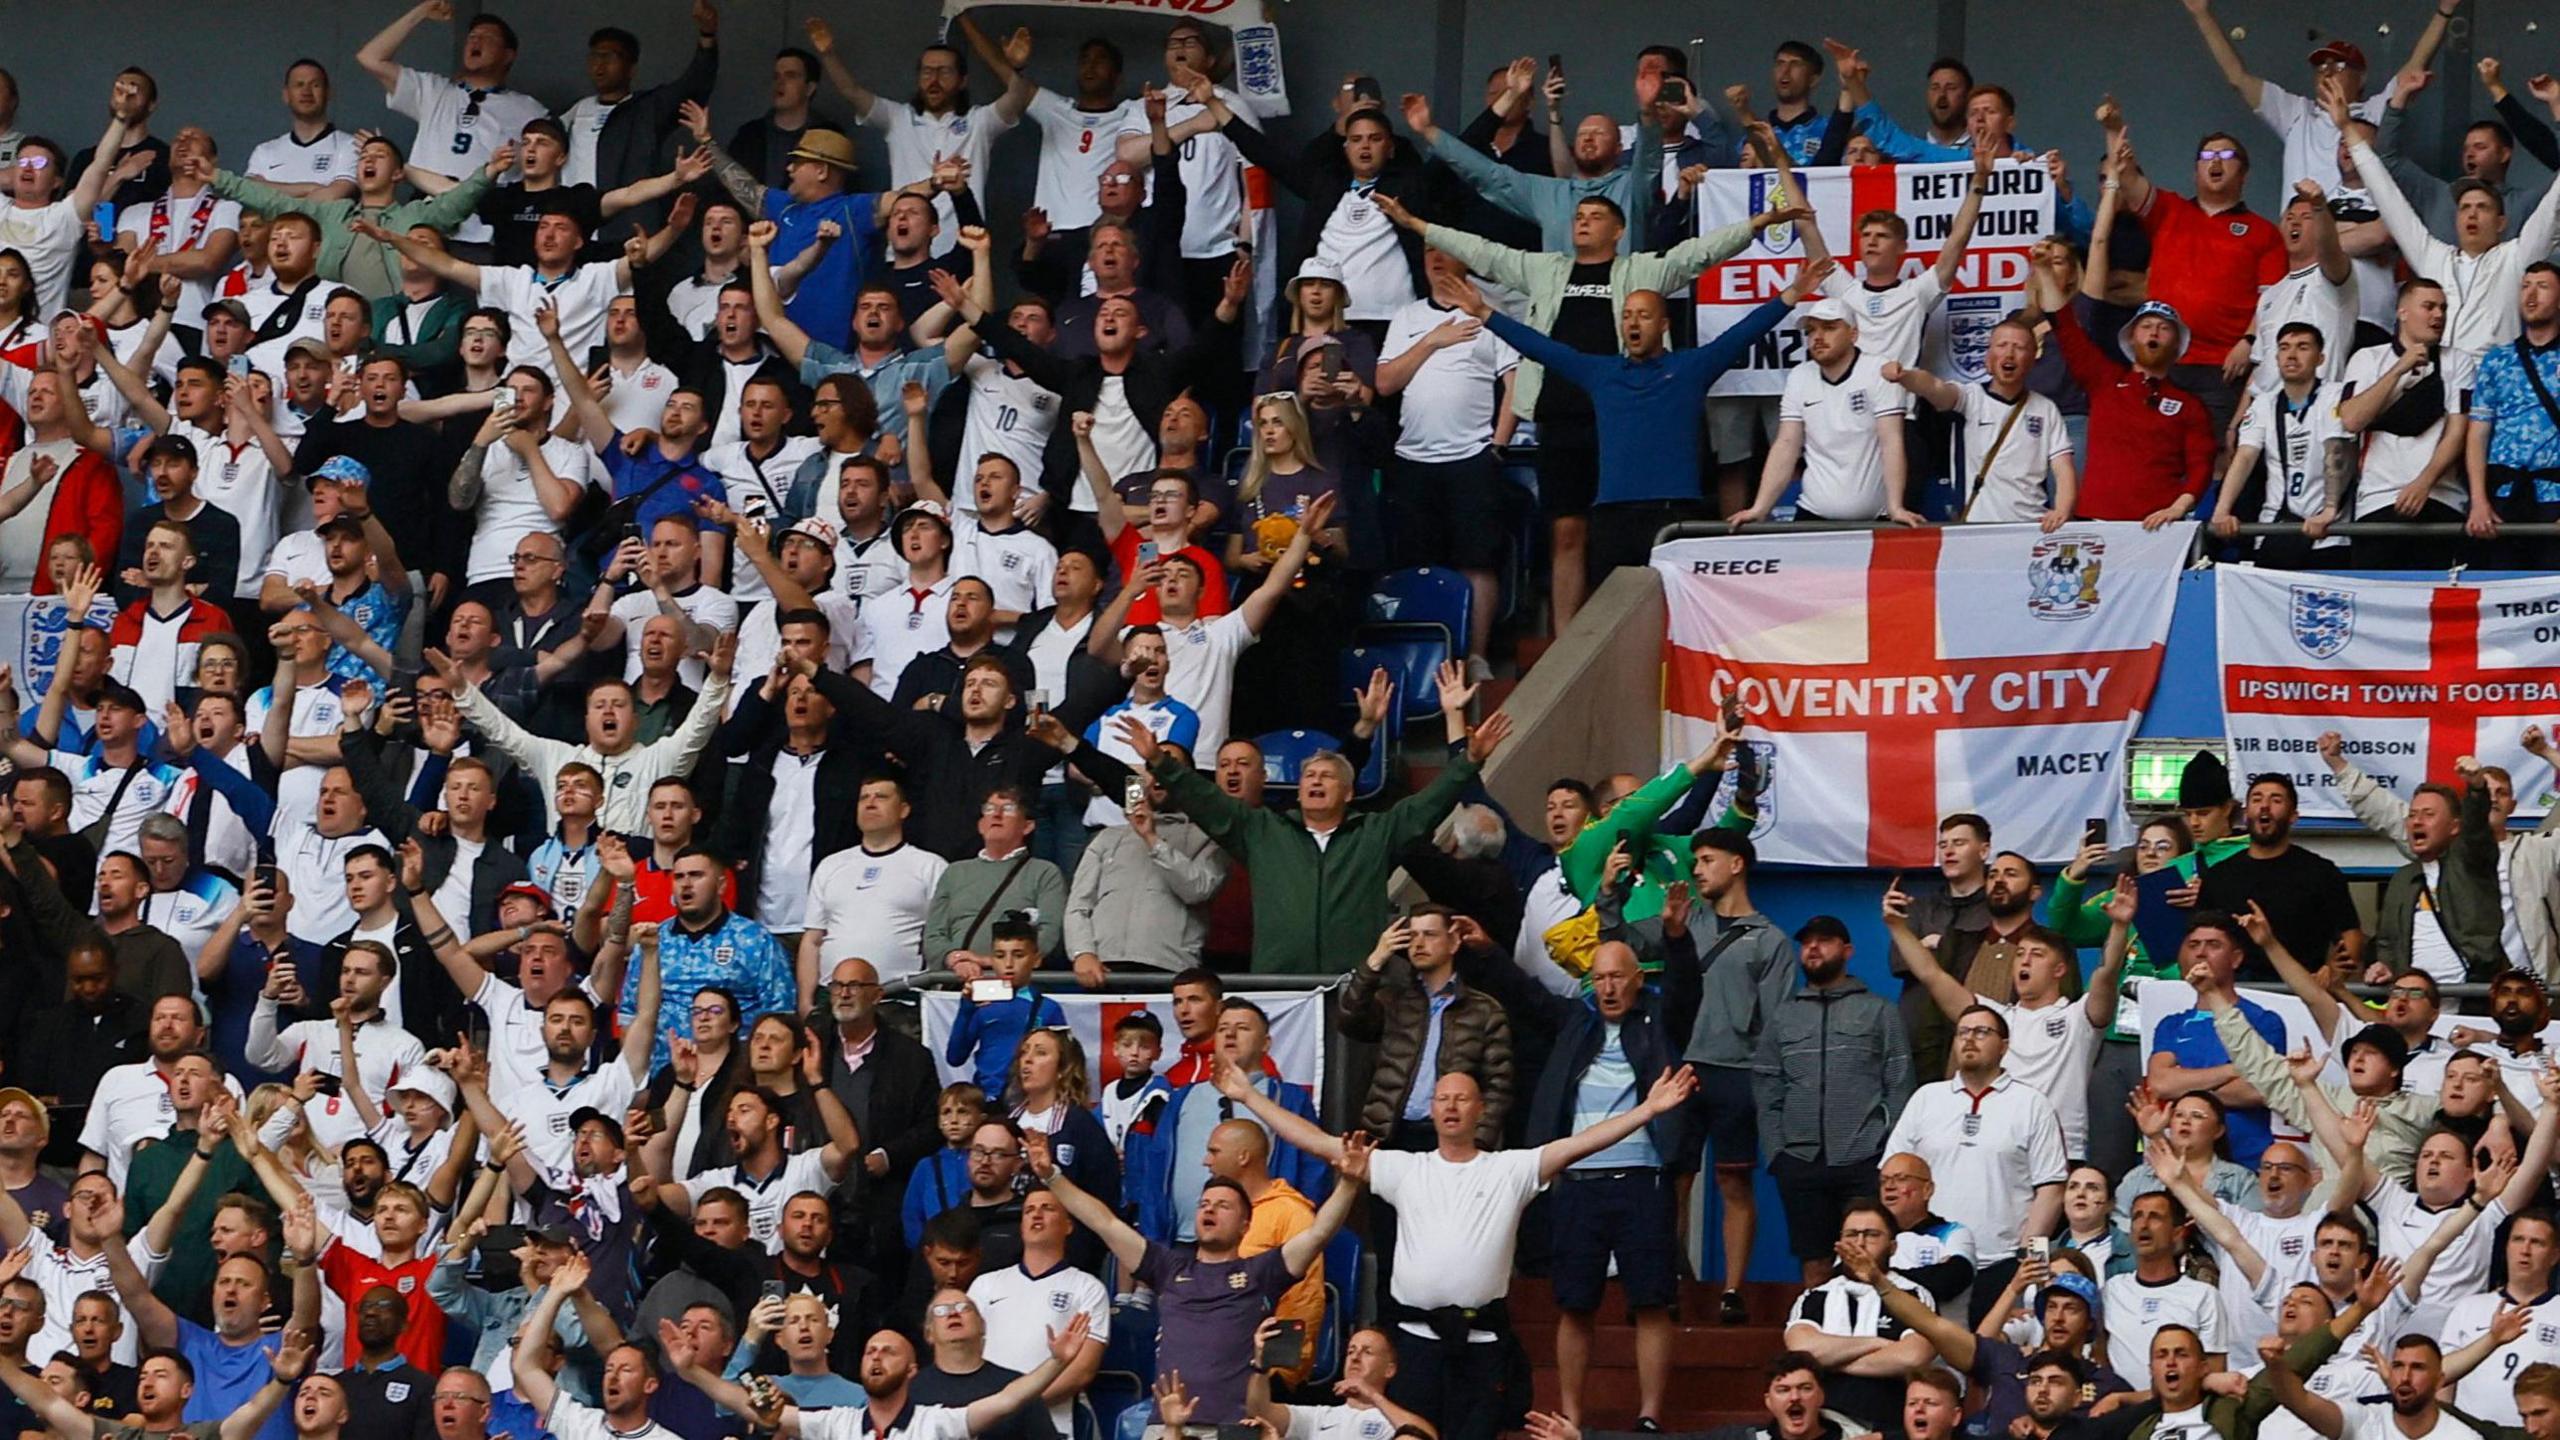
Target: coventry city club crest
column 1766, row 196
column 2062, row 576
column 2323, row 620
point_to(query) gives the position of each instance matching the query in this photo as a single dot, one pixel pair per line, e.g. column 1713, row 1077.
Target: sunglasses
column 2218, row 154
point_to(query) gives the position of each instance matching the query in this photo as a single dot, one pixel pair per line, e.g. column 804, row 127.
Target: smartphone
column 1037, row 701
column 266, row 875
column 1148, row 553
column 1134, row 794
column 990, row 992
column 771, row 1290
column 1732, row 711
column 105, row 215
column 1555, row 63
column 1286, row 1349
column 2040, row 1248
column 326, row 1084
column 1675, row 91
column 1365, row 87
column 2096, row 834
column 238, row 365
column 504, row 402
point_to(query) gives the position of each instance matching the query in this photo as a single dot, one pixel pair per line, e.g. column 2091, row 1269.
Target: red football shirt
column 2211, row 266
column 351, row 1275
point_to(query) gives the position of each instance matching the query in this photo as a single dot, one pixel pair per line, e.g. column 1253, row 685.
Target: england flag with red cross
column 1892, row 677
column 2412, row 674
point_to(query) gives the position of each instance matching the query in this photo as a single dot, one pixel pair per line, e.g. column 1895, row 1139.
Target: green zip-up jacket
column 2233, row 1419
column 368, row 267
column 1542, row 275
column 1317, row 909
column 1663, row 861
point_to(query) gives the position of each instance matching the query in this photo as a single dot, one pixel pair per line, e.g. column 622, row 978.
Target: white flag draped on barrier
column 1890, row 677
column 1257, row 76
column 2412, row 675
column 1991, row 282
column 1297, row 1029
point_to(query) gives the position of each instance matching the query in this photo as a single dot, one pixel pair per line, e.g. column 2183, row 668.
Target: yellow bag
column 1572, row 943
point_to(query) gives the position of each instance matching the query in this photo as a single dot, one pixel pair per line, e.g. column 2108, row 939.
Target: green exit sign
column 2151, row 773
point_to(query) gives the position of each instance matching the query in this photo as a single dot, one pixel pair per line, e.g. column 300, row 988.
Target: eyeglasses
column 35, row 160
column 460, row 1397
column 531, row 559
column 949, row 1308
column 2218, row 154
column 1976, row 1032
column 2264, row 1166
column 981, row 1152
column 2410, row 992
column 1006, row 808
column 709, row 1012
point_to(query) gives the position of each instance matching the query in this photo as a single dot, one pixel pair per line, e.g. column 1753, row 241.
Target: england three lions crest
column 2062, row 576
column 2323, row 620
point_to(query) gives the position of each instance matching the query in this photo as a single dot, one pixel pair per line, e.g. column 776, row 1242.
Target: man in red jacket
column 60, row 483
column 2151, row 443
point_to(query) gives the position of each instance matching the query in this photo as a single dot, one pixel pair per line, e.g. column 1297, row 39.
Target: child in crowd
column 1137, row 1042
column 993, row 1030
column 941, row 1179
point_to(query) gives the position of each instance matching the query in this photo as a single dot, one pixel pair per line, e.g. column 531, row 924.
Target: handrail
column 1128, row 982
column 2350, row 529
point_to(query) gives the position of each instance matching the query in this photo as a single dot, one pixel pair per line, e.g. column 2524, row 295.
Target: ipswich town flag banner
column 1991, row 282
column 1890, row 677
column 2414, row 675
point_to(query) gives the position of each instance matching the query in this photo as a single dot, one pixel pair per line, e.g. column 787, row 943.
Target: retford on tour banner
column 1257, row 75
column 1991, row 282
column 2413, row 675
column 1887, row 678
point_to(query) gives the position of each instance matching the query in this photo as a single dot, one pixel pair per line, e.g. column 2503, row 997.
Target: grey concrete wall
column 219, row 61
column 1593, row 705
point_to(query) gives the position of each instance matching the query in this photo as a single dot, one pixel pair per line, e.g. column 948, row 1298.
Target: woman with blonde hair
column 1316, row 298
column 1050, row 1090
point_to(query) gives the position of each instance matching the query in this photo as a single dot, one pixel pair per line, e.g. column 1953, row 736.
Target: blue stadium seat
column 1411, row 652
column 1426, row 595
column 1341, row 1302
column 1284, row 751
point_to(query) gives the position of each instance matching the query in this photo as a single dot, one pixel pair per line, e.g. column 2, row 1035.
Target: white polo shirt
column 1463, row 1257
column 872, row 907
column 2392, row 461
column 1891, row 316
column 289, row 159
column 1016, row 564
column 1200, row 670
column 1076, row 146
column 2136, row 1309
column 2016, row 486
column 1451, row 402
column 2051, row 1051
column 1020, row 1309
column 581, row 297
column 1843, row 462
column 1988, row 1152
column 801, row 1174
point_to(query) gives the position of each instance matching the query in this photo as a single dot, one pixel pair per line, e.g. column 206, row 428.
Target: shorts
column 1736, row 424
column 1568, row 470
column 1447, row 512
column 1812, row 1196
column 1722, row 1117
column 1623, row 1213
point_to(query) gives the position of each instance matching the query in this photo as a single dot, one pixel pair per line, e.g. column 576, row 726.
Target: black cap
column 1730, row 841
column 112, row 689
column 2204, row 783
column 174, row 447
column 2393, row 1045
column 553, row 1234
column 1827, row 927
column 579, row 1117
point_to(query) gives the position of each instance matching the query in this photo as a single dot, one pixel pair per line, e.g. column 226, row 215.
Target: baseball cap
column 174, row 447
column 227, row 306
column 2346, row 52
column 933, row 510
column 345, row 469
column 821, row 531
column 2073, row 1283
column 118, row 692
column 2393, row 1046
column 44, row 1117
column 553, row 1234
column 530, row 891
column 579, row 1117
column 1830, row 309
column 313, row 346
column 1827, row 927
